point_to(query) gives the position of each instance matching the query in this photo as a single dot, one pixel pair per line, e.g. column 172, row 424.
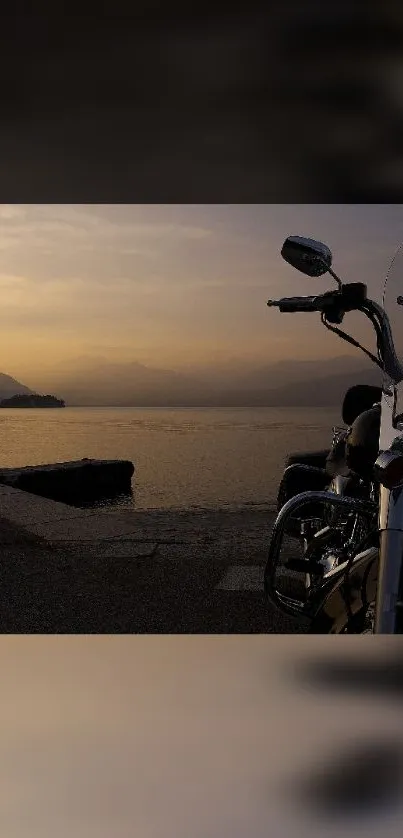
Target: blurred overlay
column 167, row 737
column 296, row 102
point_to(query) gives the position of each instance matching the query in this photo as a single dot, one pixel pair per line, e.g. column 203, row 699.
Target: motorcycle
column 353, row 566
column 326, row 470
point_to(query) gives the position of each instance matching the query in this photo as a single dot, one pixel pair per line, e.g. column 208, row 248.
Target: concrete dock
column 66, row 570
column 74, row 482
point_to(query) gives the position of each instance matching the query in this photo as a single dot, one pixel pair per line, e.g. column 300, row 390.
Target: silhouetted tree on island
column 34, row 400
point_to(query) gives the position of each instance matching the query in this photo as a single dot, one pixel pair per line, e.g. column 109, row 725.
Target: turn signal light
column 388, row 469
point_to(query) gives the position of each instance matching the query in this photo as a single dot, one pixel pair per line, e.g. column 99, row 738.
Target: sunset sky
column 170, row 285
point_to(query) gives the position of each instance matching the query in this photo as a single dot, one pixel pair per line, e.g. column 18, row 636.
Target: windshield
column 392, row 302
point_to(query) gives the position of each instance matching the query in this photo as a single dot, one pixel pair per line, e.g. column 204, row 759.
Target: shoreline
column 253, row 506
column 309, row 407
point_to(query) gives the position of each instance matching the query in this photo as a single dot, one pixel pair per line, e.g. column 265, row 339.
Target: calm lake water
column 183, row 458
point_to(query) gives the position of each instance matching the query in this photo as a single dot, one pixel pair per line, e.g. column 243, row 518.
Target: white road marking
column 242, row 578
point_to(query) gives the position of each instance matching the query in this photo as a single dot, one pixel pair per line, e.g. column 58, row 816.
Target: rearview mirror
column 307, row 255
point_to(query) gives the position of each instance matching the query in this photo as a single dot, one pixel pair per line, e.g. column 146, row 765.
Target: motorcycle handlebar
column 351, row 297
column 293, row 304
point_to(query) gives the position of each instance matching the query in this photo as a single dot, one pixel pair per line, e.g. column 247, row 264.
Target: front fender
column 331, row 612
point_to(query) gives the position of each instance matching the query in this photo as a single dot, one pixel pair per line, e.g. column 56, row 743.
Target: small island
column 33, row 400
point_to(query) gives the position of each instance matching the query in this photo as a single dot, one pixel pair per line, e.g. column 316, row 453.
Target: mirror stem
column 332, row 273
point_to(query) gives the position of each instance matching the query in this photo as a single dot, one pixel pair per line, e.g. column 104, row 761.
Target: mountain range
column 97, row 381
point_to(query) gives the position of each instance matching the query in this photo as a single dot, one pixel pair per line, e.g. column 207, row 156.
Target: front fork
column 389, row 601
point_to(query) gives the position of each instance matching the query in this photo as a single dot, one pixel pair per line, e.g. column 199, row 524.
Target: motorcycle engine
column 330, row 559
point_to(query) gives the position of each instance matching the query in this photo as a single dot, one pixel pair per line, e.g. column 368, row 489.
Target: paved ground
column 160, row 572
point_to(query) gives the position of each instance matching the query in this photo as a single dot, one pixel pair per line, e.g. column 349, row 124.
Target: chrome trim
column 383, row 462
column 340, row 484
column 369, row 551
column 338, row 432
column 389, row 581
column 387, row 431
column 390, row 509
column 390, row 522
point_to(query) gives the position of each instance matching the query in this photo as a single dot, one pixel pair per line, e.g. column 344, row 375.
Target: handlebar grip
column 293, row 304
column 289, row 306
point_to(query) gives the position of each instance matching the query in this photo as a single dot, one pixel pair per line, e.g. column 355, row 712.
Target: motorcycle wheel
column 361, row 623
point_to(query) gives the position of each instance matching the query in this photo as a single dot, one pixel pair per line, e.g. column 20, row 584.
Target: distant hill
column 278, row 376
column 313, row 392
column 290, row 383
column 127, row 384
column 10, row 387
column 325, row 392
